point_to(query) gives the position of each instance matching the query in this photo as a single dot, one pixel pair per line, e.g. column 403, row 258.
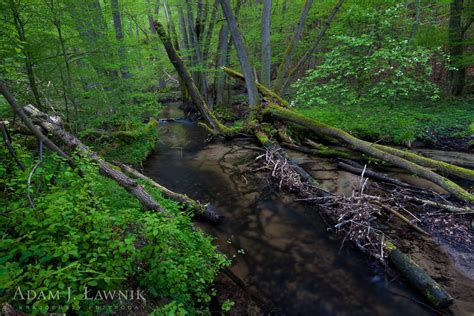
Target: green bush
column 89, row 234
column 370, row 67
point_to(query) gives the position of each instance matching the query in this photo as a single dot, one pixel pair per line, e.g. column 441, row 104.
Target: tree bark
column 313, row 47
column 370, row 149
column 36, row 132
column 241, row 53
column 205, row 211
column 266, row 45
column 189, row 82
column 119, row 36
column 456, row 47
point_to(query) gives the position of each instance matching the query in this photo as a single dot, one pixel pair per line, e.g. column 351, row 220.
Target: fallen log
column 206, row 211
column 188, row 81
column 357, row 169
column 430, row 289
column 264, row 91
column 322, row 152
column 441, row 166
column 53, row 126
column 369, row 149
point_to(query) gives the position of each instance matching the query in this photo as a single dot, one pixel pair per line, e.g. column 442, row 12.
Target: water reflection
column 289, row 255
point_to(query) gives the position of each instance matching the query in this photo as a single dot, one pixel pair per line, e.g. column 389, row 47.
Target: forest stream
column 283, row 250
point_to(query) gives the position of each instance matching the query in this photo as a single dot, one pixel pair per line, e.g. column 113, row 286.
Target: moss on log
column 369, row 149
column 264, row 91
column 441, row 166
column 431, row 290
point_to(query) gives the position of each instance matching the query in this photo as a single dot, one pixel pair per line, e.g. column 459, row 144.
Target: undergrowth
column 402, row 122
column 82, row 236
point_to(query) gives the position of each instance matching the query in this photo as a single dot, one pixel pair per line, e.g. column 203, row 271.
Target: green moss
column 405, row 121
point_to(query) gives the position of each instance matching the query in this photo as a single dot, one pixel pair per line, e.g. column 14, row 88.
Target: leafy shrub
column 89, row 233
column 373, row 66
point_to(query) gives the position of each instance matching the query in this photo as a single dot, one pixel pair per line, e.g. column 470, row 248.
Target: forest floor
column 447, row 125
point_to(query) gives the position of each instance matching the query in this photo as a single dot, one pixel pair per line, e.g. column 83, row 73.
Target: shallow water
column 282, row 248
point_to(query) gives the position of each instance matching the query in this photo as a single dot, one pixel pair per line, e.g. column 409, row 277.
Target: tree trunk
column 287, row 57
column 20, row 28
column 221, row 62
column 205, row 211
column 194, row 42
column 188, row 81
column 29, row 124
column 313, row 47
column 456, row 47
column 241, row 53
column 119, row 36
column 266, row 45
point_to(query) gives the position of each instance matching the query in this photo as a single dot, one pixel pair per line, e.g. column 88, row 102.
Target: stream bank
column 282, row 249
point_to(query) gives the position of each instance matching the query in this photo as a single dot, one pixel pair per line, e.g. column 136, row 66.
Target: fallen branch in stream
column 205, row 211
column 356, row 217
column 54, row 126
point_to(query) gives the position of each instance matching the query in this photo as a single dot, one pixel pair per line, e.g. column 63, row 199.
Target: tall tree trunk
column 285, row 63
column 194, row 41
column 209, row 31
column 241, row 53
column 266, row 45
column 313, row 47
column 119, row 36
column 221, row 62
column 188, row 81
column 20, row 28
column 456, row 47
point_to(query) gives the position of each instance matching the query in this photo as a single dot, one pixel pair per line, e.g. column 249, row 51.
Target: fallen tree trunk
column 431, row 290
column 53, row 126
column 357, row 169
column 368, row 148
column 205, row 211
column 182, row 71
column 441, row 166
column 264, row 91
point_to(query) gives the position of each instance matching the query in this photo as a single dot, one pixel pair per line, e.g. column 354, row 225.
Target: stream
column 281, row 248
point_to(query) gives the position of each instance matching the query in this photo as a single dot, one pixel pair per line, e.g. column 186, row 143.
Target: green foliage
column 373, row 66
column 88, row 234
column 407, row 121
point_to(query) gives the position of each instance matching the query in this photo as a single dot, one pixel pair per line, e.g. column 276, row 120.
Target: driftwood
column 402, row 218
column 205, row 211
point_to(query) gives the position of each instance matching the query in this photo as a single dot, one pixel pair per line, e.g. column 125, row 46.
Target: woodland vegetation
column 83, row 83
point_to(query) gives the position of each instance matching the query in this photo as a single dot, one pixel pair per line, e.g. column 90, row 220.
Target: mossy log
column 369, row 149
column 441, row 166
column 205, row 211
column 53, row 125
column 264, row 91
column 416, row 276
